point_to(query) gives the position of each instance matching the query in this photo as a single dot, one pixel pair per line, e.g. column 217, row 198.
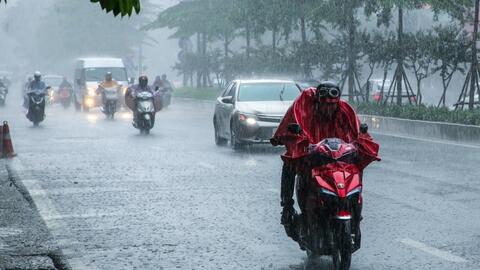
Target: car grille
column 270, row 118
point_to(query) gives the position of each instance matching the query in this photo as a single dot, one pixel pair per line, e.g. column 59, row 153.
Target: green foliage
column 208, row 93
column 421, row 112
column 122, row 7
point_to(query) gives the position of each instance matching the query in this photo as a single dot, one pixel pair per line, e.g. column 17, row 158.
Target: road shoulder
column 25, row 241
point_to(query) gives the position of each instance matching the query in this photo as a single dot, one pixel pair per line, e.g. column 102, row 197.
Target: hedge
column 421, row 112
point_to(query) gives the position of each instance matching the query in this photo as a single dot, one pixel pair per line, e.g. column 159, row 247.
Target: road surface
column 173, row 200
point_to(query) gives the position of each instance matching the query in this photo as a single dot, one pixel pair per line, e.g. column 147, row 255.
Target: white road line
column 474, row 146
column 46, row 208
column 251, row 162
column 445, row 255
column 206, row 165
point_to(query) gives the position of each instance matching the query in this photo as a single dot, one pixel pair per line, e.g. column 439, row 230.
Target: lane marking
column 474, row 146
column 46, row 208
column 206, row 165
column 445, row 255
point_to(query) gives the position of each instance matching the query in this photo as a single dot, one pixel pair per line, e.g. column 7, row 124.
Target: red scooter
column 329, row 194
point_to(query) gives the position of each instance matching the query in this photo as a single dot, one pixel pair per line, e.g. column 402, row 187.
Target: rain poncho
column 345, row 125
column 131, row 92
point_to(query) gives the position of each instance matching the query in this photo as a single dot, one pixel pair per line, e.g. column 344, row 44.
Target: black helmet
column 328, row 91
column 143, row 81
column 108, row 76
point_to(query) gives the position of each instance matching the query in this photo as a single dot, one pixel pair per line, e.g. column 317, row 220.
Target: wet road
column 117, row 200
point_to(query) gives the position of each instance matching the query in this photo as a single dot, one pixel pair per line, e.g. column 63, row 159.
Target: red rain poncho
column 345, row 125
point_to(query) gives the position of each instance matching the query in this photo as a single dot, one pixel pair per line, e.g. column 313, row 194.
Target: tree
column 450, row 54
column 419, row 57
column 118, row 7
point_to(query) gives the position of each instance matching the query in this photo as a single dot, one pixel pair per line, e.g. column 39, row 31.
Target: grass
column 197, row 93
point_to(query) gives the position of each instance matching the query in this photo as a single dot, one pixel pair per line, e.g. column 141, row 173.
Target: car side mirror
column 364, row 128
column 227, row 100
column 294, row 128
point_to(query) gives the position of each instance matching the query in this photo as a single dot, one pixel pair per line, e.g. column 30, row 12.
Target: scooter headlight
column 91, row 91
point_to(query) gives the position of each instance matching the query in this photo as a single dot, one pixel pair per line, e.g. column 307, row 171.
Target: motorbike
column 330, row 197
column 3, row 95
column 166, row 97
column 36, row 106
column 64, row 97
column 110, row 96
column 145, row 112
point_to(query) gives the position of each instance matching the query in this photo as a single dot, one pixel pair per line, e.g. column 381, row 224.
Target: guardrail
column 423, row 129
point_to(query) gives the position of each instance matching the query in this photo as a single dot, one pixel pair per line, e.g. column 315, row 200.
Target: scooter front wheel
column 342, row 248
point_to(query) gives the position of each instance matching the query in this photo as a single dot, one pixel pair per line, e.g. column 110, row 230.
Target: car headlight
column 248, row 119
column 91, row 91
column 124, row 90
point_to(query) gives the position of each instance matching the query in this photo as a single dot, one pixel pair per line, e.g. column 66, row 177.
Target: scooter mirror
column 294, row 128
column 363, row 128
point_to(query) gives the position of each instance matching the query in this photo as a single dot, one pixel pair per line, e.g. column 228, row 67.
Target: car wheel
column 218, row 140
column 234, row 143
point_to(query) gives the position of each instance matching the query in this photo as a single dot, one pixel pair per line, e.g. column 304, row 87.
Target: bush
column 421, row 112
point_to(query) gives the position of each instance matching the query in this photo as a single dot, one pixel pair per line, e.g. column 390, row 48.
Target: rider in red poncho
column 319, row 114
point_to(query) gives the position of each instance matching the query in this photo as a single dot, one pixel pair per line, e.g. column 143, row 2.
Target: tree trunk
column 205, row 71
column 400, row 56
column 474, row 69
column 198, row 68
column 248, row 39
column 419, row 91
column 307, row 72
column 351, row 56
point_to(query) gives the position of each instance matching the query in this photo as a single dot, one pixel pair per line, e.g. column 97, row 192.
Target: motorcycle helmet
column 108, row 76
column 143, row 81
column 37, row 76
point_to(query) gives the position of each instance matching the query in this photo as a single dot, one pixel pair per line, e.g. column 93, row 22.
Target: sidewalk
column 25, row 242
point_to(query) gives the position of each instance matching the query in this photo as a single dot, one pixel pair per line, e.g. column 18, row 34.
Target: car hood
column 264, row 107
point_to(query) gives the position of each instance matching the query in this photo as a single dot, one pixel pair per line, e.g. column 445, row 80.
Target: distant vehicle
column 307, row 83
column 249, row 111
column 110, row 98
column 3, row 95
column 89, row 72
column 375, row 91
column 54, row 82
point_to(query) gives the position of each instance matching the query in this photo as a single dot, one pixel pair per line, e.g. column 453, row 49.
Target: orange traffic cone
column 7, row 142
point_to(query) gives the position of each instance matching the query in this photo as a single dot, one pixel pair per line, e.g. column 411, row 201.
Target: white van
column 89, row 72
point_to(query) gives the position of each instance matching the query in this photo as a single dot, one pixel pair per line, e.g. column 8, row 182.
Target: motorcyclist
column 318, row 113
column 65, row 84
column 108, row 82
column 166, row 83
column 132, row 91
column 37, row 84
column 158, row 83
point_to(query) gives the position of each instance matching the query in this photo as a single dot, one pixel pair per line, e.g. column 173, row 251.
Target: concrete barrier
column 423, row 129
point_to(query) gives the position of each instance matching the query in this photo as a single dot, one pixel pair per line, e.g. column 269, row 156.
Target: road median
column 467, row 134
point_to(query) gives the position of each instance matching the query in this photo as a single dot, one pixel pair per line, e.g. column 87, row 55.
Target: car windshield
column 53, row 81
column 98, row 74
column 268, row 92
